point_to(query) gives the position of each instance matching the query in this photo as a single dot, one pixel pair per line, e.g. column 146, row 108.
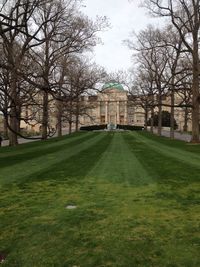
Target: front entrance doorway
column 112, row 119
column 121, row 119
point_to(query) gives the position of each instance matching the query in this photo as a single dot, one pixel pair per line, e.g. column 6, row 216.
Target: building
column 111, row 106
column 114, row 105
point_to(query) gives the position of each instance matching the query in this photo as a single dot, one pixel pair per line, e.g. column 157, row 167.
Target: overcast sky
column 125, row 17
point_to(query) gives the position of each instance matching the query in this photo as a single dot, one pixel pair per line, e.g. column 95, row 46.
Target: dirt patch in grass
column 3, row 257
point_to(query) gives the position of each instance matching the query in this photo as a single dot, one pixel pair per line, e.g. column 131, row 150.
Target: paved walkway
column 20, row 141
column 177, row 135
column 23, row 141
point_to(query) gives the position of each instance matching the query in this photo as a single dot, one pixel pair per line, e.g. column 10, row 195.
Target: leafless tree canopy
column 168, row 60
column 36, row 37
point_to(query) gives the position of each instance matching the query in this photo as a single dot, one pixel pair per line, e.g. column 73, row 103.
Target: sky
column 124, row 17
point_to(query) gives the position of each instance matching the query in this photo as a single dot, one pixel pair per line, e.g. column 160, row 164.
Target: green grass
column 137, row 199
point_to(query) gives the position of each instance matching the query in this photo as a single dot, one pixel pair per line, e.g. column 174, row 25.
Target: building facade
column 111, row 106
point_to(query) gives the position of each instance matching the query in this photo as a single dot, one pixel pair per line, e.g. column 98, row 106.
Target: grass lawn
column 136, row 196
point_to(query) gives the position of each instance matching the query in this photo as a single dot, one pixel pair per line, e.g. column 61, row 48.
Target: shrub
column 93, row 127
column 104, row 126
column 165, row 120
column 130, row 127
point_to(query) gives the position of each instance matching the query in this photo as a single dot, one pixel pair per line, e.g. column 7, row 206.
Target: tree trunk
column 77, row 116
column 172, row 115
column 70, row 114
column 18, row 116
column 59, row 118
column 45, row 116
column 146, row 118
column 5, row 128
column 152, row 119
column 59, row 127
column 5, row 120
column 13, row 140
column 77, row 122
column 195, row 94
column 70, row 127
column 159, row 114
column 185, row 126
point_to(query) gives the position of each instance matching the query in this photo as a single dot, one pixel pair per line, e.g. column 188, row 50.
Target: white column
column 99, row 113
column 118, row 113
column 125, row 114
column 106, row 112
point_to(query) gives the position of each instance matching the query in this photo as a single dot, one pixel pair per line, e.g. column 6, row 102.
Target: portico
column 111, row 107
column 113, row 104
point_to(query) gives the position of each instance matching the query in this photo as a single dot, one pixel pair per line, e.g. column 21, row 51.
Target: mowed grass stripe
column 30, row 154
column 161, row 167
column 75, row 168
column 119, row 164
column 21, row 148
column 28, row 148
column 44, row 162
column 172, row 152
column 180, row 144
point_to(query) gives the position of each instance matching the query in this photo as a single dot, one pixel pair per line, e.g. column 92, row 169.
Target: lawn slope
column 136, row 197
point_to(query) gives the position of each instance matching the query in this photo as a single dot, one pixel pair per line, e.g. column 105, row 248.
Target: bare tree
column 143, row 93
column 70, row 32
column 185, row 17
column 81, row 78
column 17, row 35
column 175, row 53
column 40, row 32
column 152, row 58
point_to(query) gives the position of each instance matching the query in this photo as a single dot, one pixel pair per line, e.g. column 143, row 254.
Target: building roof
column 113, row 85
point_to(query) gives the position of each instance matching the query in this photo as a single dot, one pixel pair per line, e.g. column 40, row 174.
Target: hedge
column 104, row 126
column 130, row 127
column 93, row 127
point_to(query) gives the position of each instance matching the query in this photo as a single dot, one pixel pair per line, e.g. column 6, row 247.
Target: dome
column 113, row 85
